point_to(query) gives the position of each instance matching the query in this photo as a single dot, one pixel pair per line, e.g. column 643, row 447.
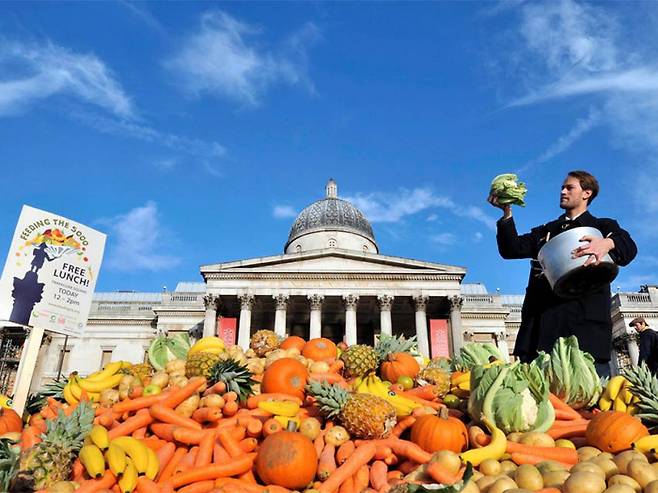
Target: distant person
column 545, row 316
column 40, row 255
column 648, row 343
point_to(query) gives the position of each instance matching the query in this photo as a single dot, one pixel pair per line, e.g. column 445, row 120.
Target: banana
column 75, row 387
column 465, row 377
column 632, row 409
column 373, row 385
column 136, row 450
column 282, row 408
column 209, row 344
column 68, row 395
column 93, row 460
column 614, row 386
column 646, row 444
column 109, row 370
column 116, row 459
column 605, row 404
column 465, row 385
column 494, row 450
column 153, row 465
column 100, row 385
column 100, row 437
column 626, row 395
column 619, row 404
column 128, row 480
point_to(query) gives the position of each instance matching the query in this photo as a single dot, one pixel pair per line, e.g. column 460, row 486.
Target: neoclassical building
column 332, row 281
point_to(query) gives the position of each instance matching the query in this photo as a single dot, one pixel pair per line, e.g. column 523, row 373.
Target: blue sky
column 193, row 133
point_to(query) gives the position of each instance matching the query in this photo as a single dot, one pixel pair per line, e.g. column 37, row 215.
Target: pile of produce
column 316, row 417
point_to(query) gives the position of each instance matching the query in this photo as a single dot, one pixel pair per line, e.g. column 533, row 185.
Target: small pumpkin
column 285, row 375
column 614, row 431
column 10, row 421
column 320, row 349
column 287, row 459
column 442, row 432
column 293, row 342
column 399, row 365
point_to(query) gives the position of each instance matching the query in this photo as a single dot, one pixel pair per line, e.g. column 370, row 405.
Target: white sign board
column 50, row 273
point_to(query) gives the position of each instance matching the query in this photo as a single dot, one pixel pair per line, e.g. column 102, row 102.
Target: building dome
column 336, row 220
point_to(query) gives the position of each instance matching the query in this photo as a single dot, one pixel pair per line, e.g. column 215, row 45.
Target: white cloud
column 166, row 164
column 224, row 59
column 445, row 239
column 477, row 237
column 432, row 217
column 135, row 241
column 283, row 212
column 33, row 72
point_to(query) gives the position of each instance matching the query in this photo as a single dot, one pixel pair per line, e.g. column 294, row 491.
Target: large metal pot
column 568, row 277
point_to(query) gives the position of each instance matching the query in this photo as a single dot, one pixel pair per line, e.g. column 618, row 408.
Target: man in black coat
column 545, row 316
column 648, row 343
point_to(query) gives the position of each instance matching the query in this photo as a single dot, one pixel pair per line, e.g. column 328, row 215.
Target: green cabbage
column 476, row 353
column 571, row 373
column 164, row 349
column 508, row 189
column 514, row 396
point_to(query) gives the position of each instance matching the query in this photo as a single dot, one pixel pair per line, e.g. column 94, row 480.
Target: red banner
column 439, row 340
column 227, row 330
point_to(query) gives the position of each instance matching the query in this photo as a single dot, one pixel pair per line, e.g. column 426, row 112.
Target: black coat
column 649, row 349
column 545, row 316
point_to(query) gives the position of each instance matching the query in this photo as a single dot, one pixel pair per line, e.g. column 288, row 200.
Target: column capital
column 456, row 302
column 247, row 301
column 281, row 301
column 469, row 335
column 211, row 301
column 315, row 301
column 502, row 335
column 351, row 301
column 385, row 302
column 421, row 302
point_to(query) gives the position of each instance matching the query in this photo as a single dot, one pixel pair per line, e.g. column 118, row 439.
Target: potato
column 619, row 488
column 160, row 378
column 537, row 439
column 310, row 427
column 471, row 487
column 109, row 397
column 584, row 482
column 476, row 475
column 606, row 455
column 564, row 443
column 587, row 452
column 501, row 485
column 588, row 467
column 213, row 400
column 528, row 477
column 652, row 487
column 655, row 465
column 448, row 460
column 623, row 479
column 490, row 467
column 641, row 472
column 607, row 465
column 514, row 436
column 549, row 465
column 622, row 459
column 188, row 406
column 485, row 482
column 518, row 490
column 318, row 367
column 555, row 478
column 507, row 467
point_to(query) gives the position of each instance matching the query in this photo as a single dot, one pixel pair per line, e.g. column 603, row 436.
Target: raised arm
column 511, row 245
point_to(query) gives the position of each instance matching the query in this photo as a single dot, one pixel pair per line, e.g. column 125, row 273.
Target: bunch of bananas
column 283, row 411
column 126, row 457
column 460, row 384
column 107, row 378
column 372, row 384
column 618, row 397
column 210, row 344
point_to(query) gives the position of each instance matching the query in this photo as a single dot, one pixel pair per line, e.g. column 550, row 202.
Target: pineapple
column 359, row 360
column 200, row 364
column 395, row 344
column 9, row 454
column 644, row 385
column 54, row 389
column 143, row 371
column 363, row 415
column 51, row 460
column 435, row 376
column 236, row 377
column 264, row 341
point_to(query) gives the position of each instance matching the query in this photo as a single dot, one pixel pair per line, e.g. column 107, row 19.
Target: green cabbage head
column 509, row 189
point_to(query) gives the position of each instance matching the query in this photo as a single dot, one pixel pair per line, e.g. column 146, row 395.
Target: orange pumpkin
column 10, row 421
column 442, row 432
column 320, row 349
column 614, row 431
column 399, row 365
column 287, row 459
column 286, row 375
column 293, row 342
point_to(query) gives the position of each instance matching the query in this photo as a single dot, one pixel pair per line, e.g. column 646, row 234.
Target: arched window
column 332, row 242
column 298, row 249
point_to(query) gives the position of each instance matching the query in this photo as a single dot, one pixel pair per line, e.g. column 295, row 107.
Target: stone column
column 247, row 302
column 211, row 302
column 281, row 301
column 501, row 344
column 421, row 325
column 633, row 349
column 351, row 302
column 385, row 303
column 456, row 334
column 315, row 328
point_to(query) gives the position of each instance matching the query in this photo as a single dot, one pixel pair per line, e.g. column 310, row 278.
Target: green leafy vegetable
column 571, row 373
column 508, row 189
column 476, row 353
column 164, row 349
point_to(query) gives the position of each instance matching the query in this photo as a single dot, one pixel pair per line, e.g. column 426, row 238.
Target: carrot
column 165, row 454
column 237, row 432
column 260, row 414
column 408, row 449
column 395, row 474
column 520, row 458
column 206, row 446
column 382, row 452
column 254, row 427
column 407, row 466
column 559, row 404
column 252, row 402
column 336, row 366
column 378, row 471
column 145, row 485
column 139, row 433
column 326, row 462
column 438, row 473
column 271, row 426
column 344, row 451
column 248, row 477
column 94, row 485
column 230, row 444
column 78, row 471
column 559, row 423
column 563, row 415
column 234, row 467
column 167, row 487
column 200, row 487
column 362, row 478
column 186, row 462
column 402, row 425
column 30, row 437
column 361, row 456
column 130, row 425
column 204, row 414
column 178, row 396
column 427, row 392
column 218, row 388
column 577, row 430
column 188, row 435
column 130, row 405
column 165, row 414
column 248, row 444
column 347, row 486
column 328, row 377
column 106, row 420
column 164, row 431
column 318, row 443
column 230, row 408
column 171, row 466
column 560, row 454
column 232, row 485
column 425, row 402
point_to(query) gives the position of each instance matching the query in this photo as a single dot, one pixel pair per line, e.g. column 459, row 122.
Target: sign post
column 48, row 282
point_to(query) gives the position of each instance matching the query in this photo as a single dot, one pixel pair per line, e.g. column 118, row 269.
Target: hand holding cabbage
column 508, row 190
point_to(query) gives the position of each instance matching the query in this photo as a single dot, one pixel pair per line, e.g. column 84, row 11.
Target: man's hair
column 587, row 182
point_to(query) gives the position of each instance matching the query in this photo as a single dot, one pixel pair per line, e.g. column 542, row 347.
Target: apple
column 152, row 389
